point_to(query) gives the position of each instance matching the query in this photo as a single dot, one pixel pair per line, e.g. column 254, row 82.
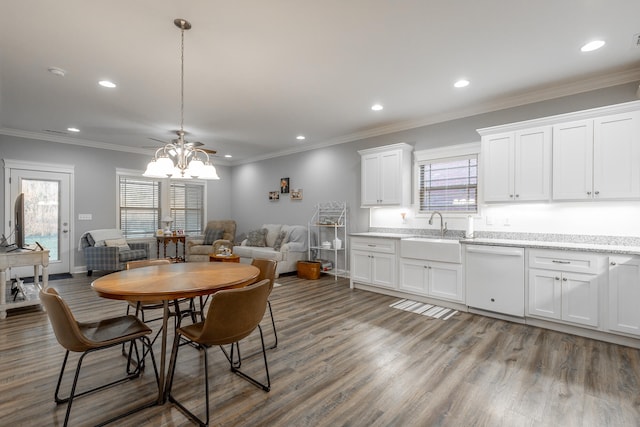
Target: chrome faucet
column 443, row 229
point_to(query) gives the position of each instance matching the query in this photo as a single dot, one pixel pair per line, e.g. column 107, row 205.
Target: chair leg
column 172, row 369
column 265, row 387
column 273, row 322
column 72, row 394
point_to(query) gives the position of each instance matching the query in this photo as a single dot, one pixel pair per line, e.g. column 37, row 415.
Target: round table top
column 173, row 281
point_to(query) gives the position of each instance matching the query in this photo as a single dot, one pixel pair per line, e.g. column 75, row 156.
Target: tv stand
column 21, row 258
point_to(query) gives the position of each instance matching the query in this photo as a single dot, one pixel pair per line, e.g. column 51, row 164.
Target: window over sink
column 448, row 184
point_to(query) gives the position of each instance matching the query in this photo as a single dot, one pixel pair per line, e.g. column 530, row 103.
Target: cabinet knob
column 612, row 263
column 511, row 195
column 557, row 278
column 597, row 192
column 517, row 195
column 493, row 300
column 588, row 193
column 564, row 279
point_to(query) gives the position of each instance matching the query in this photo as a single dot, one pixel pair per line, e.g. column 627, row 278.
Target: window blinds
column 449, row 185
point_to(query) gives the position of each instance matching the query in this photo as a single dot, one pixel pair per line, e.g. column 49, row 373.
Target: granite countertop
column 539, row 244
column 381, row 234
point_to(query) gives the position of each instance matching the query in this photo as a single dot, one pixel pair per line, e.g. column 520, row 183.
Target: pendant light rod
column 177, row 160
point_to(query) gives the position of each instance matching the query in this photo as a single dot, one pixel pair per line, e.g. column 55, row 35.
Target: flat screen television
column 19, row 220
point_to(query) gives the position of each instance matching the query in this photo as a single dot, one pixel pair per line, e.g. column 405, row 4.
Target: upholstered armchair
column 108, row 250
column 217, row 233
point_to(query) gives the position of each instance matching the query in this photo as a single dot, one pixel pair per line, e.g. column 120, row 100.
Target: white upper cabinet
column 386, row 175
column 585, row 155
column 516, row 165
column 597, row 158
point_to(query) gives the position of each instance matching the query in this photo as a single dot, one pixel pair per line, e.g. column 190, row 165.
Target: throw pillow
column 272, row 233
column 211, row 235
column 279, row 241
column 120, row 243
column 257, row 238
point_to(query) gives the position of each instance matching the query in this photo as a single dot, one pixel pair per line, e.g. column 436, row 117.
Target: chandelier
column 180, row 159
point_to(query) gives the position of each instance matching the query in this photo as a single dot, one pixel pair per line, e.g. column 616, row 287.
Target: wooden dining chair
column 88, row 337
column 232, row 315
column 267, row 269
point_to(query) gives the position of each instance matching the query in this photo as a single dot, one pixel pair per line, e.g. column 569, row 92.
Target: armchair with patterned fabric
column 107, row 249
column 217, row 233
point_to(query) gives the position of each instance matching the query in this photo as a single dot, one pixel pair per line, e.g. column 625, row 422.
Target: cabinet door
column 580, row 298
column 383, row 270
column 370, row 179
column 624, row 294
column 497, row 166
column 360, row 266
column 545, row 295
column 532, row 169
column 573, row 160
column 616, row 156
column 445, row 281
column 414, row 276
column 390, row 178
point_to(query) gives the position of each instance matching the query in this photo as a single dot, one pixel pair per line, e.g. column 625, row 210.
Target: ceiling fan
column 175, row 141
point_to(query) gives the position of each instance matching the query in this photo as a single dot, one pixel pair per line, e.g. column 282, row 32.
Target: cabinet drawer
column 578, row 262
column 374, row 245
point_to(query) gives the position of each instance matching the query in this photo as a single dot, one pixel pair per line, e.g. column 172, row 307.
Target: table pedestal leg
column 163, row 354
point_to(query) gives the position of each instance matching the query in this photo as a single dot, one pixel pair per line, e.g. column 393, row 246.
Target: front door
column 46, row 215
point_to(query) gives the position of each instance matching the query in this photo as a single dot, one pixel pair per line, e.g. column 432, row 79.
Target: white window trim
column 444, row 153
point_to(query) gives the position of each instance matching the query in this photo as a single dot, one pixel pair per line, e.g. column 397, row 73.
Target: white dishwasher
column 495, row 278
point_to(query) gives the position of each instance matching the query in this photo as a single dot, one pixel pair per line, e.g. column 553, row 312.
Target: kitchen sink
column 444, row 250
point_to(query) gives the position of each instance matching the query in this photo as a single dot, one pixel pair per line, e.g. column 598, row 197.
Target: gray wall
column 95, row 180
column 325, row 174
column 333, row 173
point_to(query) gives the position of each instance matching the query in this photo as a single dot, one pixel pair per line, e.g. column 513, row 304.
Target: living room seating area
column 108, row 250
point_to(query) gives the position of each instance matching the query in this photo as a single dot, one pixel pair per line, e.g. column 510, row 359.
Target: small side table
column 165, row 240
column 224, row 258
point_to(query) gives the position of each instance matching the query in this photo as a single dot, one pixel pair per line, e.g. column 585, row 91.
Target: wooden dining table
column 172, row 282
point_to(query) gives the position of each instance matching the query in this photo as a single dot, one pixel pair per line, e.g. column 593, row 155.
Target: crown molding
column 529, row 97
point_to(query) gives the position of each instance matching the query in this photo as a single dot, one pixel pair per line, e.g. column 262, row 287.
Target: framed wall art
column 274, row 196
column 296, row 194
column 284, row 185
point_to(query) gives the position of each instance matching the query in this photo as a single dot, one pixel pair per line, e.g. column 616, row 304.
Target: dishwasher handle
column 491, row 250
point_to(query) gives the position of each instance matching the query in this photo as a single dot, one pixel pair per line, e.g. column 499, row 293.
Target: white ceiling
column 258, row 73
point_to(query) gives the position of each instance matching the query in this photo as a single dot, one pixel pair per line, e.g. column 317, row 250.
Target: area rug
column 51, row 277
column 424, row 309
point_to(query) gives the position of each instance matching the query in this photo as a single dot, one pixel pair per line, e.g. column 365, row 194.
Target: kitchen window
column 448, row 184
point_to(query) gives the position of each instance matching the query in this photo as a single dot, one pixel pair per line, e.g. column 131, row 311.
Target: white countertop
column 587, row 247
column 383, row 235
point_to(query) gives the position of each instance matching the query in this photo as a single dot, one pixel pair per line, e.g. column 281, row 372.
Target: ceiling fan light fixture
column 178, row 159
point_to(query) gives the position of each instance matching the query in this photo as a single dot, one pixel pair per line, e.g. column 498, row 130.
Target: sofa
column 217, row 233
column 107, row 249
column 286, row 244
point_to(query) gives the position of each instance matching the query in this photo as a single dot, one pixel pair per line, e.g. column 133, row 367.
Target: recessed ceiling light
column 461, row 83
column 376, row 107
column 596, row 44
column 106, row 83
column 301, row 137
column 57, row 71
column 228, row 156
column 73, row 129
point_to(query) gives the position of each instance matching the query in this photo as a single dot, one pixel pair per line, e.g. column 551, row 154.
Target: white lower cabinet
column 624, row 294
column 565, row 286
column 373, row 262
column 571, row 297
column 435, row 279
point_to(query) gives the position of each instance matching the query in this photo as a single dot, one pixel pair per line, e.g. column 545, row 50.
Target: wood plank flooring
column 345, row 358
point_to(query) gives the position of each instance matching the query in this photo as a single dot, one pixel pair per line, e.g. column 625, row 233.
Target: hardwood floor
column 345, row 358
